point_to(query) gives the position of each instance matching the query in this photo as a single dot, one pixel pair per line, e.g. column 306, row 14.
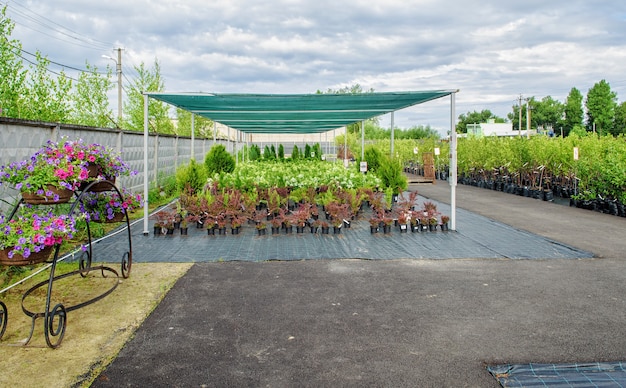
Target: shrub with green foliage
column 255, row 153
column 390, row 173
column 373, row 157
column 317, row 152
column 281, row 152
column 295, row 153
column 191, row 176
column 218, row 160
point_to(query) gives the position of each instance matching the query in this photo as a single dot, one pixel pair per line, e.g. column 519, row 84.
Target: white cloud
column 491, row 50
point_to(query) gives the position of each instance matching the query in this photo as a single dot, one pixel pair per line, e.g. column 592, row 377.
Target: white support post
column 145, row 166
column 362, row 141
column 214, row 133
column 193, row 130
column 453, row 162
column 345, row 147
column 392, row 140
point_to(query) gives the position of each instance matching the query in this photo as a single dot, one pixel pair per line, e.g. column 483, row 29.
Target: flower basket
column 117, row 217
column 19, row 260
column 30, row 238
column 108, row 206
column 51, row 196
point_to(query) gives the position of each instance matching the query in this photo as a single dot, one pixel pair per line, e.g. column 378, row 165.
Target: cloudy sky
column 492, row 51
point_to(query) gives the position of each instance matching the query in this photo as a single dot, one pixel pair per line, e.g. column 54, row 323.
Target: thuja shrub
column 218, row 160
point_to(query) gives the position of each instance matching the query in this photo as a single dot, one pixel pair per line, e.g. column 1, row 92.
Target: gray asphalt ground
column 392, row 323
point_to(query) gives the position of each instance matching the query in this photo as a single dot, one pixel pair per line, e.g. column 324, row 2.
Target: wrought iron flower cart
column 55, row 313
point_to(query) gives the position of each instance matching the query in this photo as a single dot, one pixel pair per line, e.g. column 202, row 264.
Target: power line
column 59, row 64
column 56, row 27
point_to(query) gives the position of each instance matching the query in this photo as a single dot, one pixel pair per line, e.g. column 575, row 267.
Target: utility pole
column 519, row 123
column 118, row 66
column 118, row 70
column 527, row 118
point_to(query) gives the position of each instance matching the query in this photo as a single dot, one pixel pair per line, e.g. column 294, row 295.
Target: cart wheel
column 4, row 317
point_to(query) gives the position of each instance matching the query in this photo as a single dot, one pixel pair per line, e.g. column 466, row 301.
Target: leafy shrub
column 218, row 160
column 192, row 176
column 391, row 175
column 373, row 157
column 295, row 153
column 281, row 152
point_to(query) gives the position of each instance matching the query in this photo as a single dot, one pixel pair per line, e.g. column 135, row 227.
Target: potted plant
column 165, row 218
column 315, row 225
column 403, row 220
column 29, row 238
column 48, row 177
column 301, row 215
column 387, row 222
column 444, row 223
column 103, row 163
column 187, row 219
column 261, row 228
column 432, row 224
column 415, row 223
column 325, row 226
column 108, row 206
column 276, row 223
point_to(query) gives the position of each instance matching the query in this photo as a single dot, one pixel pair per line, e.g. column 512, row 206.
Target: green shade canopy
column 294, row 113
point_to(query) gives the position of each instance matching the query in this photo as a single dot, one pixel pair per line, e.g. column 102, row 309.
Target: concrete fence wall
column 19, row 139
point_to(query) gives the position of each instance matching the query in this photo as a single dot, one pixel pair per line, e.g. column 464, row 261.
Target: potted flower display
column 49, row 176
column 29, row 239
column 108, row 206
column 102, row 163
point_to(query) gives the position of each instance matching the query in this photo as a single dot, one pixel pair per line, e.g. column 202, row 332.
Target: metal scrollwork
column 55, row 319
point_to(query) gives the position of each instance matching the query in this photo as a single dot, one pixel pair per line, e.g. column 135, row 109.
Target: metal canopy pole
column 193, row 126
column 362, row 141
column 214, row 133
column 392, row 141
column 453, row 163
column 145, row 165
column 345, row 147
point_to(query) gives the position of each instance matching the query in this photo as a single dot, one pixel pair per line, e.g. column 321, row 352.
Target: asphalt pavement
column 408, row 321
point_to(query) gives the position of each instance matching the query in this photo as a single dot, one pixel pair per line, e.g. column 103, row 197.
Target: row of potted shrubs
column 280, row 208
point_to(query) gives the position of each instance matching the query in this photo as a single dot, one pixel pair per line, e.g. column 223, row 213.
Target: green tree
column 149, row 80
column 191, row 177
column 373, row 157
column 307, row 151
column 295, row 153
column 476, row 118
column 218, row 160
column 601, row 103
column 354, row 89
column 281, row 152
column 12, row 72
column 91, row 104
column 47, row 98
column 620, row 119
column 316, row 152
column 548, row 113
column 419, row 132
column 255, row 152
column 573, row 111
column 202, row 125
